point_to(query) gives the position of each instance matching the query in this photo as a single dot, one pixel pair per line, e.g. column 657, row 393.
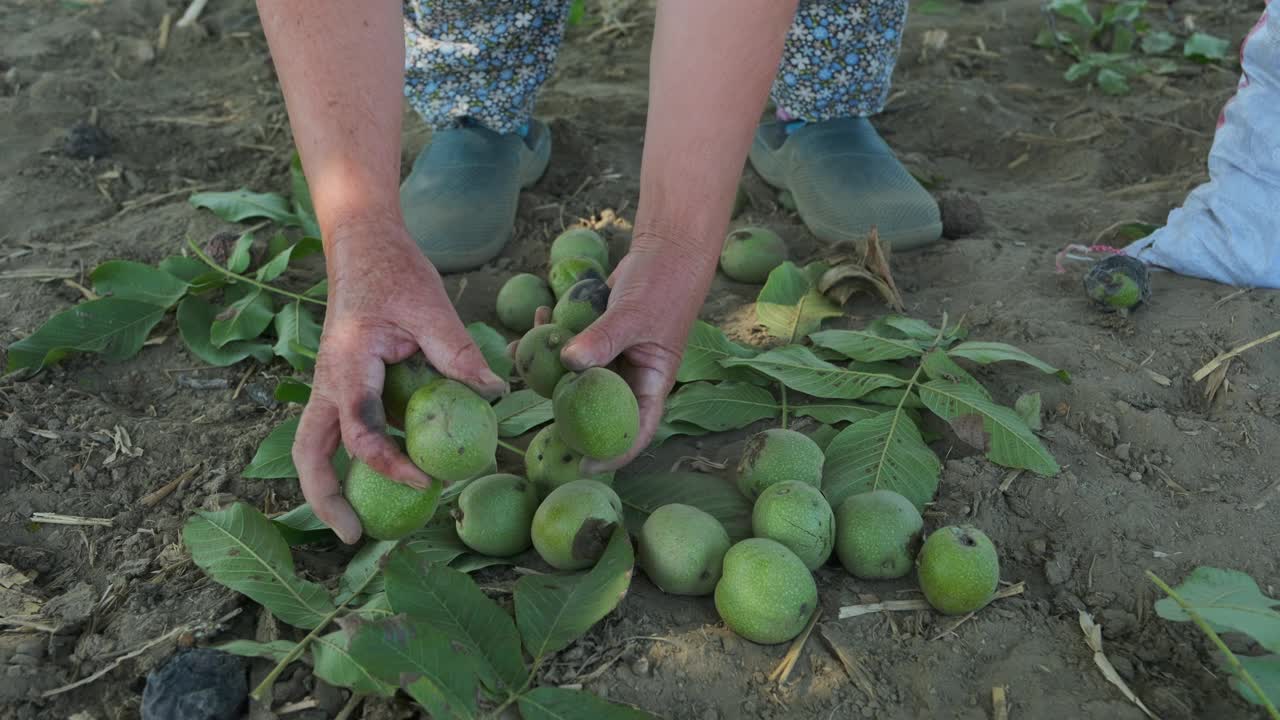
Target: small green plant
column 1119, row 43
column 1220, row 601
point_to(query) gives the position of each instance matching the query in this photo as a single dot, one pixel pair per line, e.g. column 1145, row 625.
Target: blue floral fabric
column 483, row 61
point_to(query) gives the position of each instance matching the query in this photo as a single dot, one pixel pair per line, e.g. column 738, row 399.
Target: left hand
column 657, row 290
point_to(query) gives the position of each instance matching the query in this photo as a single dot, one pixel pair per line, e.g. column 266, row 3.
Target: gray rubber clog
column 460, row 199
column 845, row 179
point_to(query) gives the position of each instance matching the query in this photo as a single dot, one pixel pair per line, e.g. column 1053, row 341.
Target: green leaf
column 891, row 397
column 667, row 430
column 296, row 328
column 918, row 330
column 835, row 412
column 274, row 458
column 114, row 328
column 823, row 435
column 706, row 347
column 300, row 526
column 554, row 610
column 195, row 318
column 866, row 346
column 553, row 703
column 1266, row 672
column 335, row 664
column 1204, row 48
column 366, row 563
column 494, row 348
column 471, row 562
column 799, row 369
column 409, row 652
column 1012, row 443
column 985, row 353
column 1157, row 42
column 279, row 262
column 885, row 452
column 303, row 208
column 239, row 205
column 790, row 306
column 245, row 319
column 1074, row 10
column 135, row 281
column 577, row 11
column 1231, row 601
column 451, row 602
column 1028, row 408
column 276, row 650
column 241, row 254
column 319, row 290
column 712, row 494
column 520, row 412
column 185, row 269
column 241, row 549
column 293, row 390
column 937, row 365
column 722, row 406
column 1112, row 82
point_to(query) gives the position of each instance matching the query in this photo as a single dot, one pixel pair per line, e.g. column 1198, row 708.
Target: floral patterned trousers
column 483, row 61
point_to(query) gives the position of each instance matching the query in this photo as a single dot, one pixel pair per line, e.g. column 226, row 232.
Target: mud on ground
column 1155, row 477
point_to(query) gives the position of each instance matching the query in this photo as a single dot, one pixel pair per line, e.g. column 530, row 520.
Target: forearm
column 712, row 65
column 341, row 68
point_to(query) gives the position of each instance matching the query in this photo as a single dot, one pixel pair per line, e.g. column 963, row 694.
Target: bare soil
column 1155, row 476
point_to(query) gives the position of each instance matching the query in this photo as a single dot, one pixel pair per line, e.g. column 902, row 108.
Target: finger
column 452, row 351
column 542, row 315
column 364, row 423
column 314, row 445
column 600, row 343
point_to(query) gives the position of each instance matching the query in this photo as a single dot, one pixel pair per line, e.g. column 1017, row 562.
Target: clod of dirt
column 538, row 358
column 766, row 594
column 798, row 516
column 219, row 246
column 961, row 215
column 572, row 527
column 751, row 253
column 520, row 298
column 877, row 534
column 572, row 270
column 778, row 455
column 582, row 305
column 681, row 549
column 958, row 570
column 495, row 514
column 84, row 141
column 1118, row 283
column 451, row 432
column 549, row 463
column 388, row 510
column 596, row 413
column 401, row 381
column 199, row 684
column 580, row 242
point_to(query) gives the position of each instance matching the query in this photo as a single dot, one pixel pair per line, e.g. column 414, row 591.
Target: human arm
column 711, row 67
column 341, row 69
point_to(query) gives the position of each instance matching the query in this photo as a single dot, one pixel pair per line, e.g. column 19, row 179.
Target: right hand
column 386, row 302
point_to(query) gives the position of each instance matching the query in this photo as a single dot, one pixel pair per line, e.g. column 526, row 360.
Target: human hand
column 386, row 302
column 657, row 290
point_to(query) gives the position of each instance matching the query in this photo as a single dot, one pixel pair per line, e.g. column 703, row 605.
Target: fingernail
column 347, row 534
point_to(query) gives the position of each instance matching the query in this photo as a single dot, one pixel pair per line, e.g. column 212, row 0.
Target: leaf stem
column 265, row 686
column 1236, row 667
column 246, row 279
column 783, row 386
column 512, row 448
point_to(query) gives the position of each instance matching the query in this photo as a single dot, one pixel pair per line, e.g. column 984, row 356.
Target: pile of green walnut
column 763, row 586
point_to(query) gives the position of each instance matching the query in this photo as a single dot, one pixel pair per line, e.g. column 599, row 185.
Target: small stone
column 710, row 714
column 961, row 215
column 20, row 659
column 1057, row 569
column 86, row 141
column 201, row 684
column 1038, row 546
column 1122, row 451
column 640, row 666
column 35, row 647
column 1122, row 665
column 1135, row 476
column 329, row 698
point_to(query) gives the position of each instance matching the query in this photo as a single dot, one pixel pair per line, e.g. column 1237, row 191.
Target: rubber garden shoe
column 845, row 179
column 460, row 199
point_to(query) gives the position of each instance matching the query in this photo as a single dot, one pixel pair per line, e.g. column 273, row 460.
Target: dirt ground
column 1154, row 476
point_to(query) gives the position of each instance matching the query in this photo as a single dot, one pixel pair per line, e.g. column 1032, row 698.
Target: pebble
column 640, row 666
column 20, row 659
column 1135, row 476
column 1122, row 451
column 199, row 684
